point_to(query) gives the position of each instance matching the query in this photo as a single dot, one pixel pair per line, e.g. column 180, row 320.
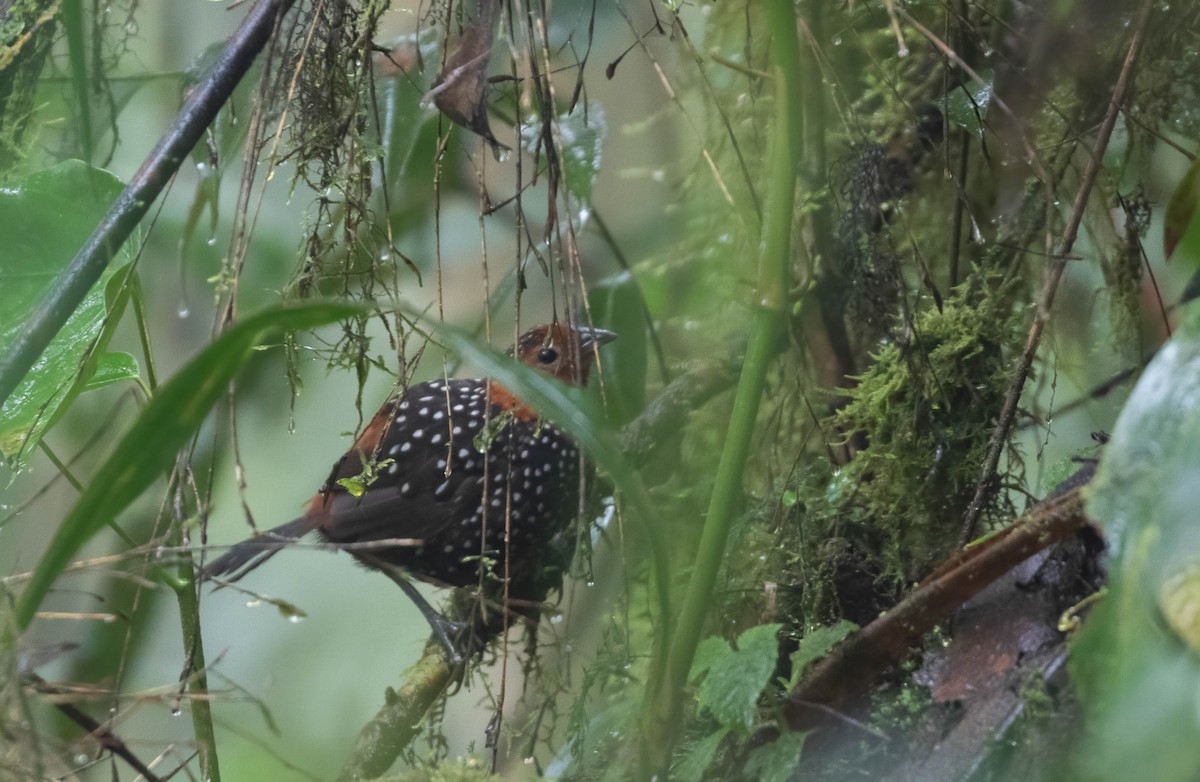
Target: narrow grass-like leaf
column 178, row 408
column 1179, row 221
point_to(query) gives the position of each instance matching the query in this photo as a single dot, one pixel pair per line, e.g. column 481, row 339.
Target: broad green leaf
column 1138, row 676
column 44, row 219
column 777, row 761
column 148, row 449
column 697, row 756
column 708, row 651
column 966, row 105
column 112, row 368
column 735, row 681
column 817, row 642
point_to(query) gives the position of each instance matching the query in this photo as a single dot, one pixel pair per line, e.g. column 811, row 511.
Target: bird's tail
column 249, row 554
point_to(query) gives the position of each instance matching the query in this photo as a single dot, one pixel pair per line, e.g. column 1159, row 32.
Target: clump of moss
column 925, row 412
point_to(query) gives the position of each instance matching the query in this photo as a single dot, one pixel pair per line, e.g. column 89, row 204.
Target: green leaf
column 966, row 105
column 1180, row 221
column 816, row 643
column 777, row 761
column 44, row 219
column 1138, row 677
column 735, row 680
column 149, row 448
column 112, row 368
column 708, row 651
column 697, row 756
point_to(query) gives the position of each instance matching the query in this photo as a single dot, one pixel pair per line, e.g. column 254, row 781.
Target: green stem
column 773, row 268
column 193, row 646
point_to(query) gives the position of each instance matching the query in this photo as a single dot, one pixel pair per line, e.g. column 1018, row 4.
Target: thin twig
column 986, row 487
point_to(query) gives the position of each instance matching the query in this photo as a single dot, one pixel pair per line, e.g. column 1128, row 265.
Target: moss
column 925, row 410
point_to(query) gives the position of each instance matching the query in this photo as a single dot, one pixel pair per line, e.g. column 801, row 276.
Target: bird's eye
column 547, row 356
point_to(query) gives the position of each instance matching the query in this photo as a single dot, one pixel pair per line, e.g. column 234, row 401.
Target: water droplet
column 175, row 712
column 211, row 241
column 902, row 52
column 184, row 311
column 837, row 40
column 131, row 27
column 556, row 619
column 295, row 619
column 253, row 603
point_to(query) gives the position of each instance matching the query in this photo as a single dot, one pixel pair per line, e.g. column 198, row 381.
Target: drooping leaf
column 1181, row 212
column 148, row 449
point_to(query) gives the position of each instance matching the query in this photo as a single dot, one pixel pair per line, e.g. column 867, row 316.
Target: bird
column 478, row 487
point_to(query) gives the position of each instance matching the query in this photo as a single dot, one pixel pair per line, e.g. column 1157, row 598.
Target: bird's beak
column 590, row 338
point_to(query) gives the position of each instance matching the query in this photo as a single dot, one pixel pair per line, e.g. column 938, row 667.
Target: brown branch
column 849, row 671
column 986, row 487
